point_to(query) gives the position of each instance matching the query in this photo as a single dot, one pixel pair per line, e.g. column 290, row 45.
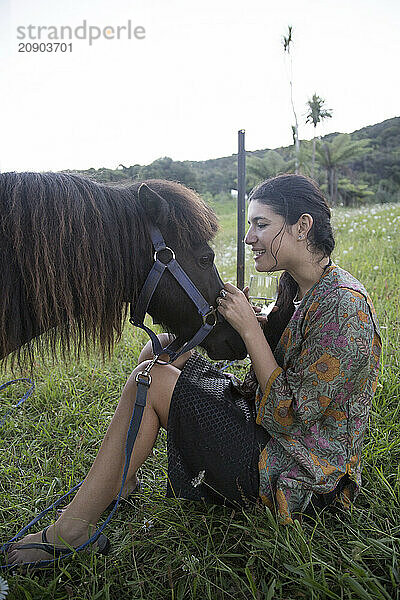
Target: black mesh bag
column 213, row 440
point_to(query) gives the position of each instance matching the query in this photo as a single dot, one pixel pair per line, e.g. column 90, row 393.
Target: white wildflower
column 147, row 524
column 3, row 588
column 190, row 564
column 197, row 480
column 376, row 267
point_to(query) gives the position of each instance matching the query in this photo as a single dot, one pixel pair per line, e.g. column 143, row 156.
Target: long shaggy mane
column 72, row 257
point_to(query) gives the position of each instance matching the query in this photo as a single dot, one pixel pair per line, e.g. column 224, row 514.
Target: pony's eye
column 205, row 260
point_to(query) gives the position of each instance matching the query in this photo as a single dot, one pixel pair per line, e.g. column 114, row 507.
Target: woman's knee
column 164, row 378
column 163, row 381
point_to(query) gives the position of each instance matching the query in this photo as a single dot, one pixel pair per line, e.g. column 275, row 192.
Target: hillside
column 377, row 170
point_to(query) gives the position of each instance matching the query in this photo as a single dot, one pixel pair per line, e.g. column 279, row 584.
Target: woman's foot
column 48, row 543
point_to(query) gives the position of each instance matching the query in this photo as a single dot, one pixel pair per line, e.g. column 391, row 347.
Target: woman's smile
column 257, row 253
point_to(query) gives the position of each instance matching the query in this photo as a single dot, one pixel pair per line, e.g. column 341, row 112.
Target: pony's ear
column 154, row 205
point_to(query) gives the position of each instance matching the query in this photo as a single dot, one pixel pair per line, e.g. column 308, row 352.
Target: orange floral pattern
column 283, row 413
column 362, row 316
column 326, row 368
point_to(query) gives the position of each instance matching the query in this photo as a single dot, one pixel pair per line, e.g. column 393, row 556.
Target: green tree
column 340, row 151
column 166, row 168
column 130, row 172
column 353, row 193
column 316, row 113
column 303, row 159
column 260, row 168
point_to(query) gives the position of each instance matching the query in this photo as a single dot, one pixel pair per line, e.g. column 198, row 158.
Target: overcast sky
column 203, row 70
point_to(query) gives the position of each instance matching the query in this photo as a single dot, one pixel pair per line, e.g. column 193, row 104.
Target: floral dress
column 316, row 403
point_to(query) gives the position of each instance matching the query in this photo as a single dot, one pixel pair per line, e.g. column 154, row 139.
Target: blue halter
column 207, row 312
column 143, row 379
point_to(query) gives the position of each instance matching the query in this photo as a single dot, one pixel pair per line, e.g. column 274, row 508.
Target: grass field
column 180, row 550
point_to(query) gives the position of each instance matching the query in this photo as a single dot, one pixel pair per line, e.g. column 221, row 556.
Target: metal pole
column 241, row 209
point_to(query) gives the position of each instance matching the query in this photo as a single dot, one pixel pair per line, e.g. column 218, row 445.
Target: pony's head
column 74, row 253
column 187, row 225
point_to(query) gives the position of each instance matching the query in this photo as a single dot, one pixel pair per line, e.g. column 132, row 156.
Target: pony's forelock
column 188, row 214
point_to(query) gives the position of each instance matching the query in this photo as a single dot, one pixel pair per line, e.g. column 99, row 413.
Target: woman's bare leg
column 103, row 481
column 147, row 354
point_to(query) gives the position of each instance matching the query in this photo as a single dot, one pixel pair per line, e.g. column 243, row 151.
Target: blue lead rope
column 24, row 397
column 130, row 440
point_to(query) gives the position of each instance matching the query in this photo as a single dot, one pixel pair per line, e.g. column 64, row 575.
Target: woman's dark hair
column 290, row 196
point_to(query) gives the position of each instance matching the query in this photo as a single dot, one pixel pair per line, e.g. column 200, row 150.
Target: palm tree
column 316, row 113
column 341, row 150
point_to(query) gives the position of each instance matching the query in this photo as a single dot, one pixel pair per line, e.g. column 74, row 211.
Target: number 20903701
column 44, row 47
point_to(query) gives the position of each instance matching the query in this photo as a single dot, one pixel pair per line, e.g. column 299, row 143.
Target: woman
column 291, row 435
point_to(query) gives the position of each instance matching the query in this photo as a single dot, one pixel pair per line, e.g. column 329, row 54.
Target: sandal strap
column 45, row 546
column 103, row 546
column 57, row 552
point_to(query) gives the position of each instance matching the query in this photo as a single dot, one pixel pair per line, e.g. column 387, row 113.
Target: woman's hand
column 234, row 306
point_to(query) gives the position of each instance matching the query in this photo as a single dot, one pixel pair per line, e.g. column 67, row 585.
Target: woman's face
column 268, row 228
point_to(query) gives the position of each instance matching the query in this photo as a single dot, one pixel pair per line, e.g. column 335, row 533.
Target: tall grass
column 177, row 549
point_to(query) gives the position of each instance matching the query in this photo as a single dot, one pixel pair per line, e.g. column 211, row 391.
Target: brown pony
column 74, row 253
